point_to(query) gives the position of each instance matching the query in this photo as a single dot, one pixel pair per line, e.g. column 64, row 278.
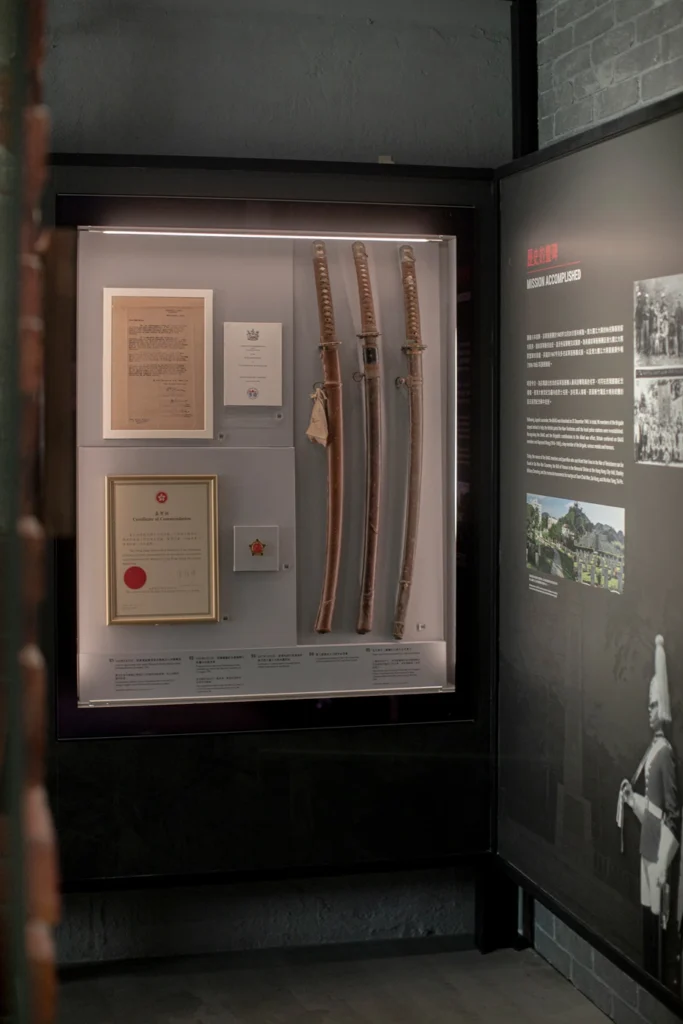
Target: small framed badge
column 257, row 548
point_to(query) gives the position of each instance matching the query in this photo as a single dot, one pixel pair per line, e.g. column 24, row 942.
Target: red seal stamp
column 135, row 577
column 162, row 497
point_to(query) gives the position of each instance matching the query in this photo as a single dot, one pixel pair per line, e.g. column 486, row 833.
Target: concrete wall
column 426, row 83
column 99, row 927
column 612, row 991
column 600, row 58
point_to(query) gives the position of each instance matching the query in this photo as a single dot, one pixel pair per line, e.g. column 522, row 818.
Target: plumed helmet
column 659, row 687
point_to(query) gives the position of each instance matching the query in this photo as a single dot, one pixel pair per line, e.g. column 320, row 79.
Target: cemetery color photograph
column 576, row 540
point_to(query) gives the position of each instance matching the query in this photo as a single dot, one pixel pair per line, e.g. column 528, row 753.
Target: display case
column 265, row 452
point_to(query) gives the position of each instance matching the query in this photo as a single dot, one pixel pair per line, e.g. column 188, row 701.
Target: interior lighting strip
column 253, row 234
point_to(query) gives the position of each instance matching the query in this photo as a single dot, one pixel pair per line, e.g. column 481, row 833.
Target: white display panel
column 250, row 279
column 269, row 473
column 256, row 608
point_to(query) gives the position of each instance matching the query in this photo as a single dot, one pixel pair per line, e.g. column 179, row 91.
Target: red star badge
column 257, row 547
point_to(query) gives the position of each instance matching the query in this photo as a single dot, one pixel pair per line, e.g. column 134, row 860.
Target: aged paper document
column 161, row 549
column 157, row 371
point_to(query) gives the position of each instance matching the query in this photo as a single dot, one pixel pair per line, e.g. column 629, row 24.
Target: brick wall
column 612, row 991
column 598, row 59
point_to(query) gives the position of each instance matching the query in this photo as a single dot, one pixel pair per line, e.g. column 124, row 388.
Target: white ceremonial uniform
column 661, row 809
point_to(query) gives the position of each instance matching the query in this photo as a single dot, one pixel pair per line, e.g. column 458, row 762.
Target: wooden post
column 40, row 849
column 59, row 483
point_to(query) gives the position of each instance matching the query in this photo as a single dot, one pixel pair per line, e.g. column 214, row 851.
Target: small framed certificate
column 252, row 366
column 162, row 549
column 158, row 363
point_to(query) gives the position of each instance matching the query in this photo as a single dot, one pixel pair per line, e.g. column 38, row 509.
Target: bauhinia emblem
column 257, row 547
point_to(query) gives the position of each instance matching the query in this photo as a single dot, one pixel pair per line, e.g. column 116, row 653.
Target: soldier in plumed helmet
column 658, row 811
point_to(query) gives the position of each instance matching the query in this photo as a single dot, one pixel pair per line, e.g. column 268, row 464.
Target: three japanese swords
column 327, row 428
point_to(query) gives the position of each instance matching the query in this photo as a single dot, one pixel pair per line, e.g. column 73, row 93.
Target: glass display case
column 266, row 456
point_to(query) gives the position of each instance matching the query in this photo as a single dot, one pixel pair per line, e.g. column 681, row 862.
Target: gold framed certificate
column 158, row 363
column 162, row 549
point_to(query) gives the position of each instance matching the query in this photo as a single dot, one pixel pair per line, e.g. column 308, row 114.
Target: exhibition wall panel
column 591, row 454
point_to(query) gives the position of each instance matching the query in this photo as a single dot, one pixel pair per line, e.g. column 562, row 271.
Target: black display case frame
column 298, row 196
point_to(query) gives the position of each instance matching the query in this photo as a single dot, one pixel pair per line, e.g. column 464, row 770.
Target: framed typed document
column 162, row 549
column 158, row 363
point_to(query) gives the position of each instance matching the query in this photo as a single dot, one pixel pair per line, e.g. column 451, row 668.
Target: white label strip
column 285, row 671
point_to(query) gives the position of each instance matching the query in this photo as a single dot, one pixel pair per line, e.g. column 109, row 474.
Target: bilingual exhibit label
column 575, row 389
column 174, row 677
column 547, row 259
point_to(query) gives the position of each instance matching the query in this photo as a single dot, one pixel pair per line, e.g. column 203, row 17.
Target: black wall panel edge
column 593, row 136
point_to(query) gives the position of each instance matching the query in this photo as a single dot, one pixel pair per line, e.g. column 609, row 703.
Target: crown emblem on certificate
column 257, row 547
column 253, row 334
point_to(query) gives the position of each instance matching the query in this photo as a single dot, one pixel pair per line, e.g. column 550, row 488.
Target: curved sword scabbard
column 413, row 350
column 332, row 387
column 372, row 390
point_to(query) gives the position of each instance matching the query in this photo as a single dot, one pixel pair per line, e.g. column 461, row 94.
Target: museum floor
column 329, row 987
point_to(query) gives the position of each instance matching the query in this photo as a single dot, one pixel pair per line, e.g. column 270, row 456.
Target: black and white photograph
column 651, row 793
column 576, row 541
column 658, row 321
column 658, row 420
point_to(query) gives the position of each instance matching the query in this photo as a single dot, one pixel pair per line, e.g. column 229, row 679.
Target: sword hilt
column 324, row 289
column 367, row 305
column 412, row 304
